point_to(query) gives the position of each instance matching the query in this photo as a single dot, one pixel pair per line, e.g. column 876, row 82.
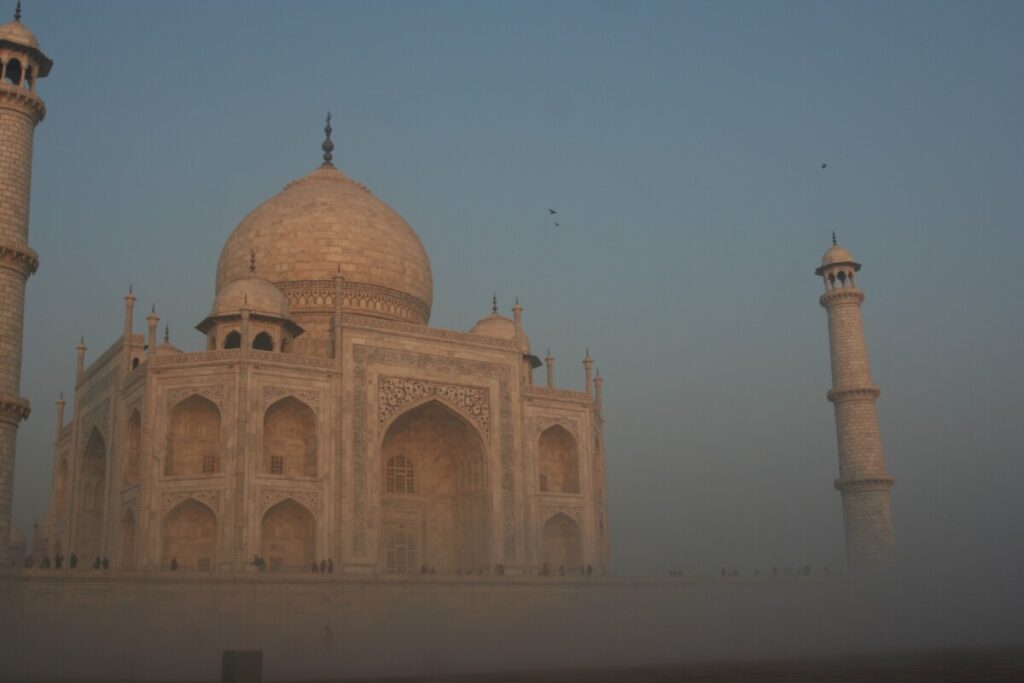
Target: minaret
column 21, row 65
column 863, row 482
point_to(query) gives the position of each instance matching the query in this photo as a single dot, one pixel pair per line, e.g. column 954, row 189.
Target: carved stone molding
column 878, row 483
column 270, row 394
column 24, row 97
column 269, row 497
column 553, row 392
column 571, row 511
column 363, row 356
column 849, row 295
column 213, row 392
column 394, row 393
column 235, row 355
column 428, row 332
column 209, row 497
column 313, row 295
column 569, row 424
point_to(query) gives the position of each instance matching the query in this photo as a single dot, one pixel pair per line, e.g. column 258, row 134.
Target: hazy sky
column 681, row 144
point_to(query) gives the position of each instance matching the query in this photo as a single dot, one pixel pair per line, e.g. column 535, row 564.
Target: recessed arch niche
column 559, row 468
column 563, row 543
column 193, row 439
column 288, row 537
column 190, row 537
column 289, row 439
column 91, row 497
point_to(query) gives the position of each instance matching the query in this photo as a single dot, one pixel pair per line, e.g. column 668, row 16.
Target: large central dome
column 302, row 235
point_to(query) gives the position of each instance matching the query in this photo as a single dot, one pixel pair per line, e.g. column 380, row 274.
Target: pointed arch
column 400, row 551
column 563, row 543
column 289, row 439
column 91, row 496
column 193, row 438
column 558, row 464
column 126, row 546
column 288, row 537
column 263, row 342
column 447, row 455
column 132, row 449
column 190, row 536
column 233, row 340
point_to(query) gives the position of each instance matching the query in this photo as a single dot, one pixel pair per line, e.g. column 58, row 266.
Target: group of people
column 787, row 572
column 587, row 570
column 325, row 566
column 58, row 562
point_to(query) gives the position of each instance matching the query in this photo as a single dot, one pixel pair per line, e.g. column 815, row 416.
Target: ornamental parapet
column 350, row 320
column 18, row 257
column 879, row 483
column 843, row 295
column 551, row 392
column 14, row 409
column 22, row 99
column 235, row 356
column 866, row 393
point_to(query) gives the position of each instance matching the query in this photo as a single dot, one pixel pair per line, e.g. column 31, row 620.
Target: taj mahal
column 326, row 418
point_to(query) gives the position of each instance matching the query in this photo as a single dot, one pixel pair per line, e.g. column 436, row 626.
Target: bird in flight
column 824, row 166
column 552, row 212
column 556, row 224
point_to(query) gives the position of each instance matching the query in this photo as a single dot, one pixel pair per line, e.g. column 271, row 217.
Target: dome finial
column 494, row 303
column 252, row 261
column 167, row 334
column 17, row 11
column 833, row 238
column 328, row 146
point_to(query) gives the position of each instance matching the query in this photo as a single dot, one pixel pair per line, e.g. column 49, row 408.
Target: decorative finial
column 17, row 11
column 494, row 303
column 252, row 261
column 588, row 353
column 167, row 334
column 328, row 146
column 129, row 288
column 517, row 301
column 81, row 341
column 833, row 238
column 153, row 310
column 549, row 352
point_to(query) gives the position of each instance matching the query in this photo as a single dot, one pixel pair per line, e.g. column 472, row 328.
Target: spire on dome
column 17, row 11
column 833, row 238
column 252, row 261
column 167, row 334
column 494, row 303
column 328, row 146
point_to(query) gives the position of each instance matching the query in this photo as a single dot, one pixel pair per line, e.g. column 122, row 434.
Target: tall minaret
column 863, row 482
column 21, row 65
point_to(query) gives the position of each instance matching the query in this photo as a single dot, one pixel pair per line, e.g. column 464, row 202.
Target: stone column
column 863, row 481
column 20, row 111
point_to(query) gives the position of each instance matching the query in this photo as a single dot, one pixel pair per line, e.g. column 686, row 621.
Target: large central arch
column 433, row 475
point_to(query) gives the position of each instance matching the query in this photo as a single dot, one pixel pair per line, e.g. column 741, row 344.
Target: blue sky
column 681, row 144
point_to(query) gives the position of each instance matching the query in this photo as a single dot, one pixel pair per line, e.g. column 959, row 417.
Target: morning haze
column 699, row 156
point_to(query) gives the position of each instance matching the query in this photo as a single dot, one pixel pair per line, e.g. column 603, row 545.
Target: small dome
column 166, row 349
column 16, row 32
column 836, row 254
column 253, row 292
column 498, row 326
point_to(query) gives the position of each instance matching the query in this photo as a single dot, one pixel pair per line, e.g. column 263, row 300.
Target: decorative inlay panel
column 571, row 511
column 270, row 497
column 363, row 356
column 270, row 394
column 214, row 392
column 209, row 497
column 97, row 417
column 569, row 424
column 393, row 393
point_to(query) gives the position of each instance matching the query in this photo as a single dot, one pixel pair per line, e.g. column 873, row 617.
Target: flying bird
column 556, row 224
column 824, row 166
column 552, row 212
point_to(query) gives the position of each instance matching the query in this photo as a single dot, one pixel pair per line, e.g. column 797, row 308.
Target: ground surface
column 968, row 666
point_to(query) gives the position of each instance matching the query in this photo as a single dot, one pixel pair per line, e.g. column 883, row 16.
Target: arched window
column 401, row 477
column 558, row 464
column 263, row 342
column 233, row 340
column 13, row 72
column 400, row 555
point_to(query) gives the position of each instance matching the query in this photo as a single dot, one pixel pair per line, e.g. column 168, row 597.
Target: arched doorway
column 563, row 546
column 91, row 498
column 193, row 440
column 126, row 548
column 433, row 475
column 190, row 537
column 559, row 466
column 289, row 439
column 288, row 537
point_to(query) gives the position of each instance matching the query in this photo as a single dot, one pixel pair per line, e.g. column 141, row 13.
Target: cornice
column 880, row 483
column 19, row 257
